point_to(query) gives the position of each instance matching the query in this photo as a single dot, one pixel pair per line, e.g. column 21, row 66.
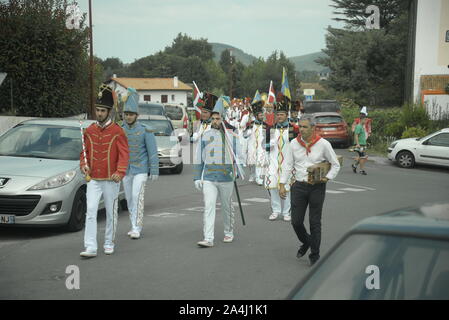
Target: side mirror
column 426, row 142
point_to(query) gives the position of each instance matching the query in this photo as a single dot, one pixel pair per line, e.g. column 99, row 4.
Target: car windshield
column 426, row 137
column 312, row 107
column 408, row 268
column 328, row 120
column 151, row 109
column 42, row 141
column 159, row 127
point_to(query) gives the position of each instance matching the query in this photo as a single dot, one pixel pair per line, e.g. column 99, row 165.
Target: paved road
column 166, row 263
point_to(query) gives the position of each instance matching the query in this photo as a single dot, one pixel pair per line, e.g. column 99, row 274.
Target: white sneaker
column 205, row 244
column 129, row 233
column 273, row 216
column 228, row 239
column 108, row 251
column 135, row 235
column 287, row 218
column 88, row 254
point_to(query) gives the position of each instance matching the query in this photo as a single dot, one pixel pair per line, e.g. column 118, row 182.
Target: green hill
column 302, row 63
column 241, row 56
column 307, row 62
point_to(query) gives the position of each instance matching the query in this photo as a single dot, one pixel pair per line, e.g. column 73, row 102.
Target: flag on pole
column 271, row 94
column 257, row 97
column 198, row 102
column 285, row 88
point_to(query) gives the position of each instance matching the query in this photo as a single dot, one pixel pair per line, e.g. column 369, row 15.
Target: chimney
column 175, row 82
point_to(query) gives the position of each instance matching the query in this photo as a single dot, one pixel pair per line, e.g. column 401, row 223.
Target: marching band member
column 215, row 172
column 106, row 161
column 279, row 136
column 255, row 134
column 143, row 161
column 206, row 112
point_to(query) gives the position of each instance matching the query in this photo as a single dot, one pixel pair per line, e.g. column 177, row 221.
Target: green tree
column 353, row 13
column 369, row 65
column 185, row 46
column 47, row 63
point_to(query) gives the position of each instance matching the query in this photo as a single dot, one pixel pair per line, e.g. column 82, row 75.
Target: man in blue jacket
column 143, row 159
column 214, row 174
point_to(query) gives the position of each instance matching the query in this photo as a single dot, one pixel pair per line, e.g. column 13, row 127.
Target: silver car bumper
column 33, row 211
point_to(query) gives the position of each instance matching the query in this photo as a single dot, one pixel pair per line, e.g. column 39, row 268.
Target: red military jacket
column 107, row 151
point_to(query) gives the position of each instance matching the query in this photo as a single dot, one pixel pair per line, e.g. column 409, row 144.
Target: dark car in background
column 332, row 127
column 402, row 254
column 314, row 106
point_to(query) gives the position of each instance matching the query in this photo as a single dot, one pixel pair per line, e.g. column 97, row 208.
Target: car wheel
column 78, row 213
column 405, row 159
column 177, row 169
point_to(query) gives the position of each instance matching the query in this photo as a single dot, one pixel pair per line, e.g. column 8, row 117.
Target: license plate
column 7, row 219
column 329, row 129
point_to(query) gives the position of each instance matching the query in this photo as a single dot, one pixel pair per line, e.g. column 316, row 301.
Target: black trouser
column 303, row 195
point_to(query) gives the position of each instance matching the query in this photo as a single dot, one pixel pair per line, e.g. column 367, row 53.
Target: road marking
column 352, row 185
column 334, row 191
column 194, row 209
column 258, row 200
column 166, row 215
column 352, row 189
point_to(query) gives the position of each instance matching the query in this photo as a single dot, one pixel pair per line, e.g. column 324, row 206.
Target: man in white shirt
column 304, row 151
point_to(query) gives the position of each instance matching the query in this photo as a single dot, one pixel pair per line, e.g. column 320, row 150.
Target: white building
column 155, row 90
column 431, row 55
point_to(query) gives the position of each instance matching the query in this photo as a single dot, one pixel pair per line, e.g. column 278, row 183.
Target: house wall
column 179, row 96
column 431, row 49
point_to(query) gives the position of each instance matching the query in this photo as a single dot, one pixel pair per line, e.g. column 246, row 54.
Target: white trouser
column 259, row 175
column 134, row 186
column 243, row 149
column 109, row 190
column 252, row 172
column 278, row 205
column 210, row 191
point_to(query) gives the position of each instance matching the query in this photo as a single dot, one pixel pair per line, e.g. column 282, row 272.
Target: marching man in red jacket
column 104, row 163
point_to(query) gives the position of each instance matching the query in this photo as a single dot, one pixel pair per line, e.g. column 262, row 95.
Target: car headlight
column 56, row 181
column 393, row 144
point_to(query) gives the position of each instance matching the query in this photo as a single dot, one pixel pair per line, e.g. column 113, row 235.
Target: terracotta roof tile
column 152, row 84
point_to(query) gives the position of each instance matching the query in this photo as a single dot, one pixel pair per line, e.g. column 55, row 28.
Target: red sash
column 315, row 139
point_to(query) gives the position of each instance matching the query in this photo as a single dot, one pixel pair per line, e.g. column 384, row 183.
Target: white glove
column 199, row 185
column 154, row 177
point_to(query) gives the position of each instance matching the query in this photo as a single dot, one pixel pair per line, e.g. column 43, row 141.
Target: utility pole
column 91, row 73
column 230, row 73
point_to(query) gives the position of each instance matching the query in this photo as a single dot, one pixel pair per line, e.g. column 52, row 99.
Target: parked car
column 40, row 180
column 178, row 116
column 314, row 106
column 155, row 109
column 403, row 254
column 332, row 127
column 432, row 149
column 168, row 145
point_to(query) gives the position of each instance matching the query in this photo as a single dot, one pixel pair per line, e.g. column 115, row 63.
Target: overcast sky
column 132, row 29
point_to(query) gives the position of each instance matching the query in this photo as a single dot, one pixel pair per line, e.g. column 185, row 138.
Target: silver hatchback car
column 40, row 180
